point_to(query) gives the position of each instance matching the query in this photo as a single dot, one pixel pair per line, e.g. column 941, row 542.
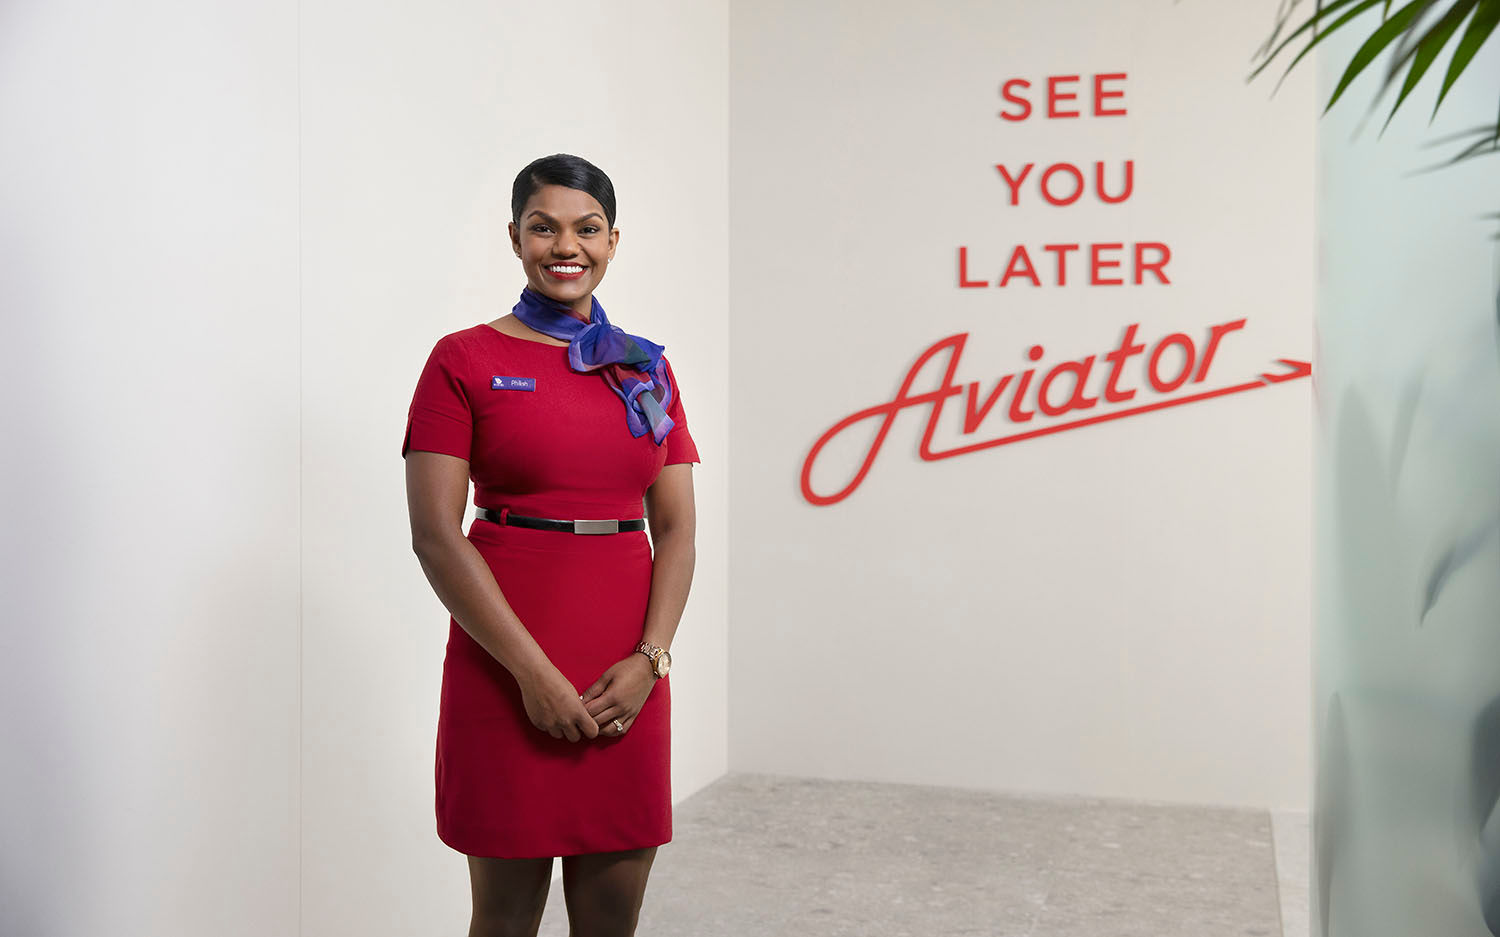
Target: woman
column 554, row 721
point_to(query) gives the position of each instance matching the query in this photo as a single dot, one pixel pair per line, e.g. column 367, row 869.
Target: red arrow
column 1299, row 369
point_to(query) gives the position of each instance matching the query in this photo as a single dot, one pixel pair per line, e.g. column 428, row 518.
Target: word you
column 1072, row 190
column 1173, row 363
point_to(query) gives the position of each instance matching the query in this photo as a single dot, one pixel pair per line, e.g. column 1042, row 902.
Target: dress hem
column 453, row 842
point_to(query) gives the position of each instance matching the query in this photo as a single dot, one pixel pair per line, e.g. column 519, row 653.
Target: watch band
column 655, row 654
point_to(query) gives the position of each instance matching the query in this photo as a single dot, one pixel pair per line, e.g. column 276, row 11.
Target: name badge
column 499, row 382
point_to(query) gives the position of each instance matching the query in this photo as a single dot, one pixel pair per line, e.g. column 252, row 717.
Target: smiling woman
column 565, row 237
column 555, row 715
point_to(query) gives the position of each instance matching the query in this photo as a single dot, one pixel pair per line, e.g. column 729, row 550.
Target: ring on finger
column 619, row 726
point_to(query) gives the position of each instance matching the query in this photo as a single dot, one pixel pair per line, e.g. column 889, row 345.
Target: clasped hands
column 619, row 693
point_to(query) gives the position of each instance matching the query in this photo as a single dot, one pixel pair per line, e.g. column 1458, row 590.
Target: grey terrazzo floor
column 766, row 855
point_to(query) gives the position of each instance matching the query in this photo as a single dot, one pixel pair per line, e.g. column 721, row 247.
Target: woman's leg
column 509, row 895
column 603, row 891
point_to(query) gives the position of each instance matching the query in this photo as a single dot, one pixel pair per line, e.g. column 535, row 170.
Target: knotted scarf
column 631, row 365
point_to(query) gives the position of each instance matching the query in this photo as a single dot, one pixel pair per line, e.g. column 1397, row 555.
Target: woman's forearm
column 672, row 562
column 466, row 586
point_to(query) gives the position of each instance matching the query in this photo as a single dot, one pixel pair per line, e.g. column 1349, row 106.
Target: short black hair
column 563, row 169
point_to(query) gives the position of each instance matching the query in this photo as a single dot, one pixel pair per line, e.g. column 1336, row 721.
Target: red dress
column 559, row 449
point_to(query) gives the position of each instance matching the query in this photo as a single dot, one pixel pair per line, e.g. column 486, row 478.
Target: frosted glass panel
column 1407, row 655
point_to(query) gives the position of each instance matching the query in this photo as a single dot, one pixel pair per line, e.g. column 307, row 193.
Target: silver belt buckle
column 611, row 526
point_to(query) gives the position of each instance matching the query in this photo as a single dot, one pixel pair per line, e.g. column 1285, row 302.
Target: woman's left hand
column 620, row 693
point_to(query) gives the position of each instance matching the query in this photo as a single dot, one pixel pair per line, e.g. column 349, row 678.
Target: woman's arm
column 436, row 487
column 672, row 514
column 622, row 690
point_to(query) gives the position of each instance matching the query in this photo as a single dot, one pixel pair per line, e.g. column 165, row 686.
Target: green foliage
column 1415, row 34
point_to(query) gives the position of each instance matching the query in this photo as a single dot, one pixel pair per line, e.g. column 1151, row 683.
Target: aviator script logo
column 1174, row 366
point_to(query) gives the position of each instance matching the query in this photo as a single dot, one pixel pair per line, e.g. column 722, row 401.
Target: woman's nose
column 565, row 245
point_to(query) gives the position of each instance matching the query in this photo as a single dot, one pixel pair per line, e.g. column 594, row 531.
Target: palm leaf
column 1361, row 6
column 1394, row 26
column 1478, row 148
column 1312, row 22
column 1417, row 46
column 1418, row 43
column 1425, row 51
column 1485, row 144
column 1407, row 45
column 1482, row 129
column 1481, row 147
column 1480, row 27
column 1283, row 16
column 1281, row 20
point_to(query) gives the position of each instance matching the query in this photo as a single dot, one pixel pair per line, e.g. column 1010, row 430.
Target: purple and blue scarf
column 632, row 366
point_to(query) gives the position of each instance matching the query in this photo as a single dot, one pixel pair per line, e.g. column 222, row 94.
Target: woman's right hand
column 554, row 706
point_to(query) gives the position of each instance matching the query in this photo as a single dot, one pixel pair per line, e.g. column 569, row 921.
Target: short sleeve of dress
column 440, row 418
column 679, row 442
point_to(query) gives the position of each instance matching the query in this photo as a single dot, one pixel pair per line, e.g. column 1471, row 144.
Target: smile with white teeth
column 565, row 268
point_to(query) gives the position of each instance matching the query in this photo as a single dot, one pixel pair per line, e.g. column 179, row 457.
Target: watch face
column 663, row 663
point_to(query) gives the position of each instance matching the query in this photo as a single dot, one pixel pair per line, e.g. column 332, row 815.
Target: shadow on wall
column 1408, row 654
column 45, row 712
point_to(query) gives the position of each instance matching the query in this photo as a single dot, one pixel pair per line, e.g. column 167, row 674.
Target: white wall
column 415, row 120
column 1408, row 560
column 220, row 662
column 1119, row 610
column 230, row 240
column 148, row 326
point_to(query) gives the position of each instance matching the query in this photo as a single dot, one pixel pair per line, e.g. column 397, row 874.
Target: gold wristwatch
column 660, row 658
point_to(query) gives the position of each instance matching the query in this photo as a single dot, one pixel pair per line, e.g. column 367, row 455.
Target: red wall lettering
column 1061, row 90
column 1129, row 185
column 1071, row 170
column 1054, row 96
column 1098, row 263
column 1157, row 266
column 1007, row 91
column 1216, row 333
column 1188, row 354
column 1020, row 265
column 1127, row 349
column 963, row 271
column 1065, row 192
column 1015, row 181
column 1017, row 415
column 1079, row 371
column 1061, row 252
column 1072, row 386
column 1149, row 257
column 1101, row 95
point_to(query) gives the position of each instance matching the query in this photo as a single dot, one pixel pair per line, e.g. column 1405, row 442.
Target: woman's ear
column 614, row 240
column 515, row 238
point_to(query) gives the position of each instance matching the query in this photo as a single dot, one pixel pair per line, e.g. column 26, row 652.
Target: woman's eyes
column 544, row 229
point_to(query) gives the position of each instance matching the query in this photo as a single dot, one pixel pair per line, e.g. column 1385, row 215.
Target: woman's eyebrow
column 547, row 217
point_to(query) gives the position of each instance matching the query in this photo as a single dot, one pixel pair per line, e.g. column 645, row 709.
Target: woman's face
column 564, row 244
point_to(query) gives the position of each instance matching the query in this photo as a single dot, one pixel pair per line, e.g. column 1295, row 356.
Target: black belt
column 503, row 516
